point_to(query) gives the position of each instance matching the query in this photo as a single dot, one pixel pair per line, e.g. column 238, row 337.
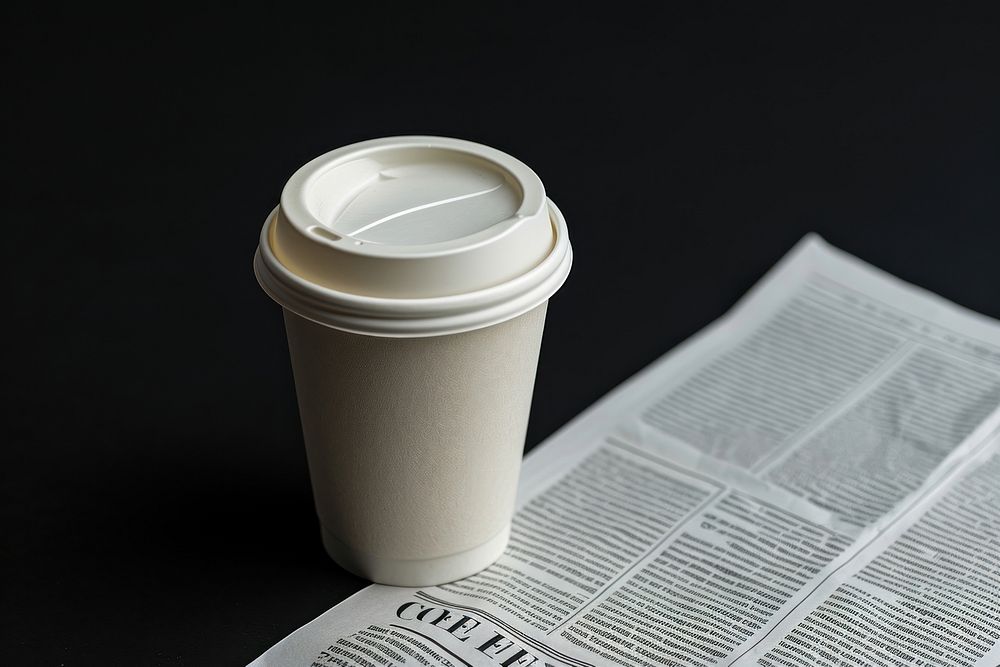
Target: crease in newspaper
column 925, row 591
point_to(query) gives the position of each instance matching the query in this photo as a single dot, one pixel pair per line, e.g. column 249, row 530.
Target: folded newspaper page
column 814, row 479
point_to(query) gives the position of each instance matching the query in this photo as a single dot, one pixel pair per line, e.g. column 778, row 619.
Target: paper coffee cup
column 414, row 274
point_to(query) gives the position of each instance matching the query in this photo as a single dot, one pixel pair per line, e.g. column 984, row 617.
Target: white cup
column 414, row 273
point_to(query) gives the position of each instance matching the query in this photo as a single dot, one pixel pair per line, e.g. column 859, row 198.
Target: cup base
column 422, row 572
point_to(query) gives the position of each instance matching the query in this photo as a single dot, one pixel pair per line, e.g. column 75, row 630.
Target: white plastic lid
column 413, row 236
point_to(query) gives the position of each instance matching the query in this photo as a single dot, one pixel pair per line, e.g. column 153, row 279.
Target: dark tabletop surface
column 155, row 504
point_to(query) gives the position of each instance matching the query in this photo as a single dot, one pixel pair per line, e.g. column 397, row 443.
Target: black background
column 155, row 502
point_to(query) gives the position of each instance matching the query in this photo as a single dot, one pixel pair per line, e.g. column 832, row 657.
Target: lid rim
column 419, row 316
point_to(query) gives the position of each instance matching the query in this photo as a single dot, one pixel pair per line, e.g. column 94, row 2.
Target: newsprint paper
column 814, row 479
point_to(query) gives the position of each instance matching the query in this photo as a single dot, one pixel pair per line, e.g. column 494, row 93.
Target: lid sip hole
column 325, row 233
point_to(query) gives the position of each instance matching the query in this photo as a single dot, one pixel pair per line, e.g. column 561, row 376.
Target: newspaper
column 814, row 479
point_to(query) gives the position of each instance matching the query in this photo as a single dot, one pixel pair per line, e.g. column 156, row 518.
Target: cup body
column 414, row 444
column 414, row 274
